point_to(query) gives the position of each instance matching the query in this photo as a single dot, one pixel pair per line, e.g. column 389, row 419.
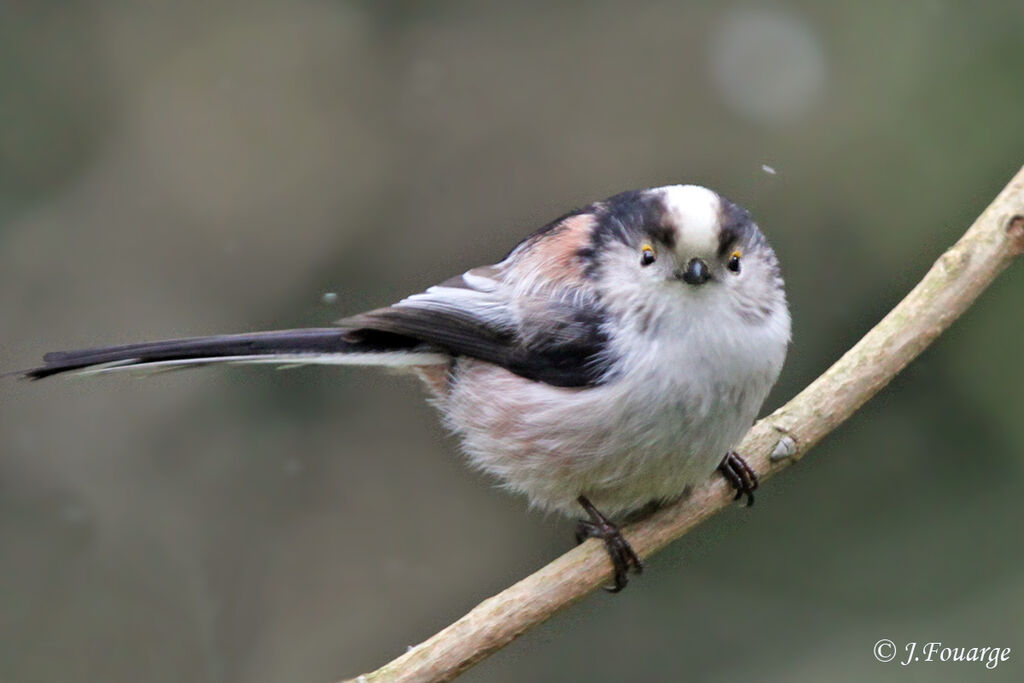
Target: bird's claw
column 624, row 558
column 741, row 475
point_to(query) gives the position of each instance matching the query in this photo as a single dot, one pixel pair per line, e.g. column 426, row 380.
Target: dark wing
column 549, row 336
column 550, row 332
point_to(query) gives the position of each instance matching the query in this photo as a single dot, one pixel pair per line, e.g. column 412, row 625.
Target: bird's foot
column 741, row 475
column 623, row 557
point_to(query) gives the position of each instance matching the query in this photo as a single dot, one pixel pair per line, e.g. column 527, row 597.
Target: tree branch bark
column 774, row 443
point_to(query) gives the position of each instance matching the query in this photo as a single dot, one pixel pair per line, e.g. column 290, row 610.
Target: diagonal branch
column 775, row 442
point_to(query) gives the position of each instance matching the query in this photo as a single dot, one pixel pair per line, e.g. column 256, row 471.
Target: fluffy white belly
column 648, row 435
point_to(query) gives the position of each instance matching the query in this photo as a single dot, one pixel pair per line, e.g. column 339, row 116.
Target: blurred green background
column 196, row 167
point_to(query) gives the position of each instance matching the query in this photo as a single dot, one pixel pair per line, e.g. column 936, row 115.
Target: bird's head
column 688, row 244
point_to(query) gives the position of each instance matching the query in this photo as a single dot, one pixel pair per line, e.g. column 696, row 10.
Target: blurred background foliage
column 197, row 167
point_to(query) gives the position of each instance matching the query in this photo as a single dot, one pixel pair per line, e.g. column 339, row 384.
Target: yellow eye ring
column 647, row 255
column 734, row 261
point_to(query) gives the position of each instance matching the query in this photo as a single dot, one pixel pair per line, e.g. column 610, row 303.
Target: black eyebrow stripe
column 663, row 234
column 736, row 225
column 725, row 243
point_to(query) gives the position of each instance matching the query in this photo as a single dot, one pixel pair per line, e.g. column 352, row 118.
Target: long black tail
column 315, row 346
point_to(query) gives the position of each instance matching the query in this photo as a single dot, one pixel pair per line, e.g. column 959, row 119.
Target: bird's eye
column 647, row 256
column 734, row 261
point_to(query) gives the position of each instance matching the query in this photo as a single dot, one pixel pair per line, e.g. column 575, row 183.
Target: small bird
column 611, row 361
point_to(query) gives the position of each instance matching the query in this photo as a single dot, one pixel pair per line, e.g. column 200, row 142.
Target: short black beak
column 696, row 272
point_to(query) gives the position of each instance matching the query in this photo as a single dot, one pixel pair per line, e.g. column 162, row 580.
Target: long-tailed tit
column 611, row 361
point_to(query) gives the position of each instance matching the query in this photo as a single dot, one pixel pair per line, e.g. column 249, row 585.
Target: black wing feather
column 547, row 339
column 566, row 351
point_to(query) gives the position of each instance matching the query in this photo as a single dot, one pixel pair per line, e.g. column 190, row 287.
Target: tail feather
column 320, row 346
